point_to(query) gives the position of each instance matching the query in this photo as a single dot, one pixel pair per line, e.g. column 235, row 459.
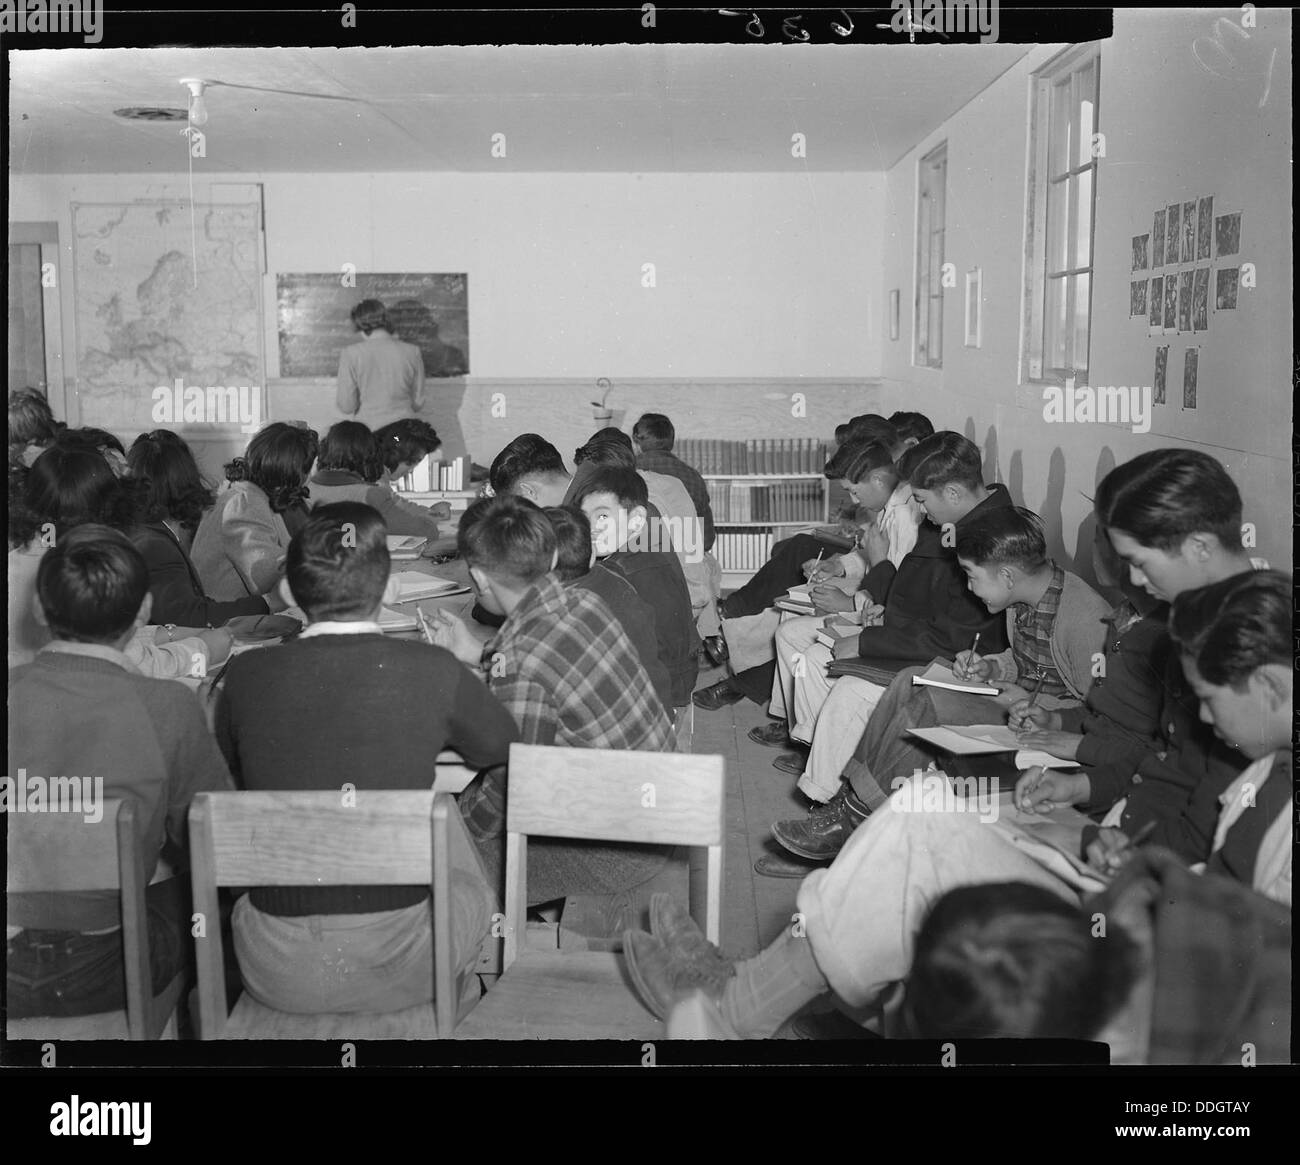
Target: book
column 974, row 739
column 797, row 599
column 414, row 584
column 836, row 628
column 937, row 675
column 405, row 547
column 391, row 621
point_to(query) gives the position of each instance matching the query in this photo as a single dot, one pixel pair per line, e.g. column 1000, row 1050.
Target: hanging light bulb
column 198, row 107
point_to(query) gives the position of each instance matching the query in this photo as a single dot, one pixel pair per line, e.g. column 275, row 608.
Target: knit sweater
column 82, row 710
column 321, row 712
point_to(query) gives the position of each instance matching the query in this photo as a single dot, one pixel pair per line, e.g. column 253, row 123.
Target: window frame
column 927, row 270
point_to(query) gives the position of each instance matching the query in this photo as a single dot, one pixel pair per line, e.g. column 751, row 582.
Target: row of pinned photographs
column 1180, row 302
column 1187, row 232
column 1191, row 365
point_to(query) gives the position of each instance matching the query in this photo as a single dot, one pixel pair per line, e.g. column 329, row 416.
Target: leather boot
column 819, row 837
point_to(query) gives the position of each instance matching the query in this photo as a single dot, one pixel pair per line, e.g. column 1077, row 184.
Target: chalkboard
column 315, row 325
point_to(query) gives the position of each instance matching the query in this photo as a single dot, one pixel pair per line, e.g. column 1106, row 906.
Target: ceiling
column 562, row 108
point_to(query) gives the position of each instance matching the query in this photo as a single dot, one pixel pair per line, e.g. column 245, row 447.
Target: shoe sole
column 773, row 867
column 646, row 996
column 801, row 851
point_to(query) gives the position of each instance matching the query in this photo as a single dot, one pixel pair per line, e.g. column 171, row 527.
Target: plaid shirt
column 566, row 671
column 1031, row 645
column 661, row 461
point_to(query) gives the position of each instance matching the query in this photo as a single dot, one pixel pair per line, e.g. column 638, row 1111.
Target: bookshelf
column 760, row 491
column 434, row 480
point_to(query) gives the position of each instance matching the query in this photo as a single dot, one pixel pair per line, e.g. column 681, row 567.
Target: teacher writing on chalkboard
column 381, row 378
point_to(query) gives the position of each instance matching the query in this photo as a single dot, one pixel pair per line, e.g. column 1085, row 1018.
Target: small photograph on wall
column 1184, row 301
column 1162, row 370
column 1158, row 240
column 1227, row 234
column 1188, row 253
column 1140, row 245
column 1171, row 232
column 1190, row 361
column 1137, row 298
column 1155, row 301
column 1205, row 228
column 1201, row 300
column 1171, row 303
column 1225, row 288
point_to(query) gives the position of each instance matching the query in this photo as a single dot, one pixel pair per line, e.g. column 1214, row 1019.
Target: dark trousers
column 65, row 973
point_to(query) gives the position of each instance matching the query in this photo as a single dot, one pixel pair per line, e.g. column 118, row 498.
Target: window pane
column 1079, row 356
column 1057, row 210
column 1054, row 325
column 1062, row 117
column 1087, row 92
column 1083, row 222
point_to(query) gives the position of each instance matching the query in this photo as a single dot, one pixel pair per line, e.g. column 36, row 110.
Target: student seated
column 402, row 446
column 69, row 486
column 653, row 436
column 861, row 913
column 241, row 542
column 1054, row 624
column 615, row 502
column 576, row 566
column 31, row 426
column 567, row 673
column 108, row 445
column 530, row 467
column 296, row 717
column 172, row 500
column 82, row 707
column 348, row 469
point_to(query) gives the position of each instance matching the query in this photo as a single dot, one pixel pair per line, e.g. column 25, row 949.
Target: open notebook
column 414, row 585
column 975, row 739
column 939, row 676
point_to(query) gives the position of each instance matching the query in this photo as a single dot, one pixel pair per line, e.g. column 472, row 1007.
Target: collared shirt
column 94, row 650
column 327, row 627
column 1031, row 645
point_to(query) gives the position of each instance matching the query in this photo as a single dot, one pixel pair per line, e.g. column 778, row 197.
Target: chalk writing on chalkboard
column 313, row 318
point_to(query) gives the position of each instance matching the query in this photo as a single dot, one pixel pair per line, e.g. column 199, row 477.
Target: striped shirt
column 1031, row 644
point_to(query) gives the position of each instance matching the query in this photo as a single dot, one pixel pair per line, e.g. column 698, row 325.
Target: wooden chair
column 314, row 838
column 64, row 853
column 599, row 795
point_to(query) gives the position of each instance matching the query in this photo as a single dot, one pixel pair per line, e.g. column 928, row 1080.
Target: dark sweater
column 637, row 619
column 657, row 577
column 320, row 712
column 662, row 461
column 929, row 610
column 85, row 716
column 174, row 583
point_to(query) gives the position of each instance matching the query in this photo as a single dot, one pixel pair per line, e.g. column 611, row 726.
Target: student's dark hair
column 350, row 445
column 941, row 459
column 278, row 460
column 370, row 314
column 337, row 564
column 527, row 454
column 1232, row 627
column 572, row 541
column 89, row 438
column 608, row 446
column 866, row 428
column 911, row 425
column 1012, row 960
column 406, row 441
column 31, row 422
column 854, row 461
column 1161, row 497
column 170, row 485
column 90, row 585
column 69, row 486
column 626, row 485
column 507, row 537
column 1010, row 536
column 654, row 431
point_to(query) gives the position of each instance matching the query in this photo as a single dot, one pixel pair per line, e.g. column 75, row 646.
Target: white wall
column 1173, row 131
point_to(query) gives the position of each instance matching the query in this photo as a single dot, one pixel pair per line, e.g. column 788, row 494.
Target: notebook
column 391, row 621
column 414, row 584
column 405, row 547
column 939, row 676
column 797, row 599
column 975, row 739
column 837, row 628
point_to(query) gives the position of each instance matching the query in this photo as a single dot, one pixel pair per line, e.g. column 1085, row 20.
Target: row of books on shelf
column 433, row 474
column 764, row 455
column 781, row 501
column 743, row 550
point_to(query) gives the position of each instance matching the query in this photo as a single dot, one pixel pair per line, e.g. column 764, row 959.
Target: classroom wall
column 1173, row 131
column 763, row 287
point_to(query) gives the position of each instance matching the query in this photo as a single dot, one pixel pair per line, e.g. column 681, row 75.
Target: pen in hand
column 425, row 629
column 965, row 669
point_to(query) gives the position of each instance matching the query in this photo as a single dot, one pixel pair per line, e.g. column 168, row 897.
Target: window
column 1059, row 221
column 931, row 180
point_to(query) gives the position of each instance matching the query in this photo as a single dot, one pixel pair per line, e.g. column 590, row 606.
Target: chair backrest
column 66, row 853
column 598, row 794
column 325, row 838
